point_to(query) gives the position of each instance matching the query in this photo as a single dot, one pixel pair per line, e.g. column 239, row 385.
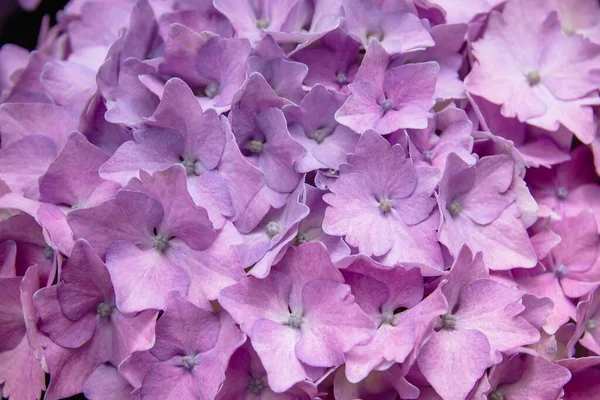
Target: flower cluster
column 302, row 199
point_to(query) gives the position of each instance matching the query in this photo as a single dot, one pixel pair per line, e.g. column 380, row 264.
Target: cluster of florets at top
column 300, row 199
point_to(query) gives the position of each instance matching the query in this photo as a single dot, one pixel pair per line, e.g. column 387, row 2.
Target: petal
column 275, row 344
column 86, row 282
column 253, row 299
column 184, row 329
column 21, row 373
column 492, row 308
column 143, row 278
column 54, row 323
column 105, row 383
column 130, row 216
column 332, row 324
column 467, row 351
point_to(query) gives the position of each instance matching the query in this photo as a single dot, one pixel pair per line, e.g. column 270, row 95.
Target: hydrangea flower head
column 302, row 200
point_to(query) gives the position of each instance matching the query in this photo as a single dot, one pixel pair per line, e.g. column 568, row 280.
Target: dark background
column 22, row 27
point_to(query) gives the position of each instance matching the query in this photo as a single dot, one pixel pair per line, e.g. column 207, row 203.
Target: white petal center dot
column 495, row 395
column 295, row 321
column 212, row 90
column 319, row 135
column 255, row 146
column 104, row 309
column 386, row 205
column 562, row 192
column 262, row 23
column 561, row 270
column 454, row 208
column 188, row 362
column 533, row 78
column 387, row 105
column 160, row 242
column 273, row 229
column 341, row 78
column 448, row 321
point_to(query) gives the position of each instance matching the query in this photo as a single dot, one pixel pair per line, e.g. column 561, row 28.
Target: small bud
column 387, row 105
column 319, row 135
column 48, row 253
column 495, row 395
column 560, row 270
column 385, row 205
column 262, row 23
column 190, row 165
column 188, row 362
column 104, row 309
column 212, row 90
column 562, row 192
column 256, row 385
column 160, row 242
column 374, row 36
column 568, row 29
column 387, row 317
column 590, row 325
column 295, row 321
column 533, row 78
column 454, row 208
column 301, row 238
column 428, row 156
column 341, row 78
column 255, row 146
column 448, row 321
column 273, row 229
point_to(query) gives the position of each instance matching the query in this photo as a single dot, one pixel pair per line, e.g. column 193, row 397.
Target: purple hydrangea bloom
column 21, row 355
column 524, row 377
column 218, row 178
column 391, row 297
column 189, row 358
column 479, row 208
column 482, row 319
column 588, row 326
column 302, row 199
column 572, row 269
column 387, row 99
column 333, row 63
column 250, row 18
column 383, row 205
column 283, row 75
column 312, row 124
column 392, row 23
column 300, row 318
column 84, row 327
column 449, row 132
column 211, row 65
column 247, row 378
column 545, row 81
column 144, row 230
column 261, row 132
